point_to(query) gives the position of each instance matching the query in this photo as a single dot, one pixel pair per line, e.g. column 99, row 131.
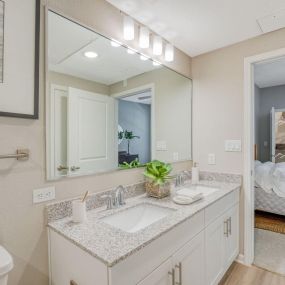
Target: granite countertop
column 111, row 245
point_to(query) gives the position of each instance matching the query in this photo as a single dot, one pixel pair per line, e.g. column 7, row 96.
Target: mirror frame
column 47, row 103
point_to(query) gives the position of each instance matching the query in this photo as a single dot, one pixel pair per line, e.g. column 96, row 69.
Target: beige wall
column 22, row 228
column 172, row 104
column 218, row 101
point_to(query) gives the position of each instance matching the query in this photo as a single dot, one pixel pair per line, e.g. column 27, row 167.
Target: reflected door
column 92, row 142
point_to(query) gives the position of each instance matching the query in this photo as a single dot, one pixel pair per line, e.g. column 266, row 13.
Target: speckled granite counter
column 111, row 245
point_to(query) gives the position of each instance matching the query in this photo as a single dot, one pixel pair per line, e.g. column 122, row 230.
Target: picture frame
column 28, row 72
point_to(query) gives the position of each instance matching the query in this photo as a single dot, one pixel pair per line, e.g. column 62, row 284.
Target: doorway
column 252, row 151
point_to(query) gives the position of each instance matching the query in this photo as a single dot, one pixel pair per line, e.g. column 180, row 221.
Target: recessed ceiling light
column 131, row 51
column 90, row 54
column 169, row 52
column 115, row 43
column 144, row 58
column 129, row 28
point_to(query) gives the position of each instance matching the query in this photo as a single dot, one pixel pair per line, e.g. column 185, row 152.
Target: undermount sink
column 138, row 217
column 194, row 189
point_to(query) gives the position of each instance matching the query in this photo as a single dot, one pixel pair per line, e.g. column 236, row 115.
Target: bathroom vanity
column 193, row 244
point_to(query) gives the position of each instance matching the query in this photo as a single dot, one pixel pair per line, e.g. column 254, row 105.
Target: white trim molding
column 240, row 258
column 248, row 172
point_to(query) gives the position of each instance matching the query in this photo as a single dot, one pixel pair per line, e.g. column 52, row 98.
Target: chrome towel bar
column 21, row 154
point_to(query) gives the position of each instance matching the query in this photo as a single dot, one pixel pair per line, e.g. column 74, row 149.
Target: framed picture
column 19, row 58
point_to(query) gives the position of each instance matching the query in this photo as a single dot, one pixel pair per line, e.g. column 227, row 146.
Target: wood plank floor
column 239, row 274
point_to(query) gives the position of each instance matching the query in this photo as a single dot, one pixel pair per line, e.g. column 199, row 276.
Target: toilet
column 6, row 265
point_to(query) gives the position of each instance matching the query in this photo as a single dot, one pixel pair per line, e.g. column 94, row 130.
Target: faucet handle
column 120, row 195
column 109, row 201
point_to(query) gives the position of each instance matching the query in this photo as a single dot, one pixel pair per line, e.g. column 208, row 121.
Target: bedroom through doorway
column 269, row 165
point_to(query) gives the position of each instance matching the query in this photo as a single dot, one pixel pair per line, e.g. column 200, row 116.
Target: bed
column 269, row 202
column 270, row 187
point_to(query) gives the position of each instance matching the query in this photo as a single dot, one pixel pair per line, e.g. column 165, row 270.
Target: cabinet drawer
column 219, row 207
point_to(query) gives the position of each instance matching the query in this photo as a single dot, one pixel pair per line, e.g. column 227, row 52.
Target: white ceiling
column 199, row 26
column 67, row 42
column 270, row 73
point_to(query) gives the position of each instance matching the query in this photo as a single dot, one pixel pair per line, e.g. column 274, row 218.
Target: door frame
column 249, row 128
column 142, row 88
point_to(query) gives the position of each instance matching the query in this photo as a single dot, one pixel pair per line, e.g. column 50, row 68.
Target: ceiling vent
column 272, row 22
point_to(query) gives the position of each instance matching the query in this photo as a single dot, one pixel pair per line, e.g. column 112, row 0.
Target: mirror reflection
column 109, row 107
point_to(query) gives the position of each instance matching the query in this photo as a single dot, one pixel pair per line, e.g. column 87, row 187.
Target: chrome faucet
column 180, row 178
column 116, row 201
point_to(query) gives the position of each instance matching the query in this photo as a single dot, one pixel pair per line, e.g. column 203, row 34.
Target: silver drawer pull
column 230, row 225
column 226, row 228
column 73, row 282
column 179, row 266
column 172, row 274
column 61, row 167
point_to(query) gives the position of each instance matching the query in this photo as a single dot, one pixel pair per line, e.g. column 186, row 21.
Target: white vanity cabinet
column 221, row 244
column 198, row 252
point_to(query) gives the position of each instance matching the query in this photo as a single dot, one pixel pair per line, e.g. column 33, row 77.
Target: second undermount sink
column 138, row 217
column 194, row 189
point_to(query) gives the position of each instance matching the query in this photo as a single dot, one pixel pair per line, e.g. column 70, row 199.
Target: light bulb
column 144, row 37
column 169, row 52
column 115, row 43
column 157, row 45
column 90, row 54
column 156, row 63
column 129, row 28
column 131, row 51
column 143, row 57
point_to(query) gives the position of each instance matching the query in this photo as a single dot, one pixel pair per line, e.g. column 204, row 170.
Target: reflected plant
column 133, row 164
column 129, row 136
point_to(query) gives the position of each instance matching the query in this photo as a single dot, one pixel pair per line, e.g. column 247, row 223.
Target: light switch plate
column 211, row 159
column 175, row 156
column 233, row 145
column 43, row 194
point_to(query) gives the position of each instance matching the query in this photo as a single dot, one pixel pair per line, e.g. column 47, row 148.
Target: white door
column 92, row 132
column 215, row 251
column 189, row 262
column 57, row 131
column 160, row 276
column 272, row 132
column 232, row 241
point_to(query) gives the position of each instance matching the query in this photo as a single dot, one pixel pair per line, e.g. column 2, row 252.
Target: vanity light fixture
column 144, row 57
column 115, row 43
column 129, row 28
column 169, row 52
column 131, row 51
column 90, row 54
column 157, row 45
column 144, row 37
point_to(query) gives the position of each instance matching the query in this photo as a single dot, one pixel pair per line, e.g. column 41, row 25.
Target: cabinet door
column 232, row 241
column 189, row 262
column 215, row 250
column 160, row 276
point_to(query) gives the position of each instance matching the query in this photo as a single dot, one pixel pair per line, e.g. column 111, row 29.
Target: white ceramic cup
column 79, row 211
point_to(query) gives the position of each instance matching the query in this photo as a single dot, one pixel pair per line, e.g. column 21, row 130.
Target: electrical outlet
column 211, row 159
column 43, row 194
column 161, row 146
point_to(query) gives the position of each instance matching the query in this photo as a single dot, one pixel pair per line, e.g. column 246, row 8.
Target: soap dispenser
column 195, row 173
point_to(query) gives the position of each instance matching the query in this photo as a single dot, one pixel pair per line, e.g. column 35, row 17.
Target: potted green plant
column 158, row 178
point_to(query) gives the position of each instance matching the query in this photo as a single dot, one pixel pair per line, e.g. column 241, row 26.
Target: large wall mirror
column 108, row 107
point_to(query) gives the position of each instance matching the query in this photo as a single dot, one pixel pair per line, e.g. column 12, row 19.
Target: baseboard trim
column 240, row 259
